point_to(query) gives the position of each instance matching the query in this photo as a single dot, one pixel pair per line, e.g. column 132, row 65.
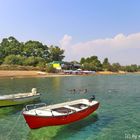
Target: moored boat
column 20, row 98
column 58, row 114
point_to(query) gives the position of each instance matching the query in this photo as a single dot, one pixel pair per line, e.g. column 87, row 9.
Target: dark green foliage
column 82, row 61
column 115, row 67
column 36, row 49
column 10, row 46
column 106, row 64
column 131, row 68
column 30, row 53
column 91, row 63
column 55, row 53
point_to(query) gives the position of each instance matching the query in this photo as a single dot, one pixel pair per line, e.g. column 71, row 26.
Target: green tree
column 106, row 65
column 92, row 63
column 9, row 46
column 35, row 49
column 55, row 53
column 82, row 61
column 115, row 67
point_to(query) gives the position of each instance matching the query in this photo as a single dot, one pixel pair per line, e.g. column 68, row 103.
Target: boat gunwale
column 62, row 115
column 16, row 98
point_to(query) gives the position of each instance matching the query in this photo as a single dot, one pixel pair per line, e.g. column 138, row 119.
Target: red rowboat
column 58, row 114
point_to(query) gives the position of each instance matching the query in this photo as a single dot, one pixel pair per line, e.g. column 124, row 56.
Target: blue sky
column 68, row 23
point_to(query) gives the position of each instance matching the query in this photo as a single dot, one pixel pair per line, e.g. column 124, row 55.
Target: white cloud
column 65, row 44
column 65, row 40
column 114, row 48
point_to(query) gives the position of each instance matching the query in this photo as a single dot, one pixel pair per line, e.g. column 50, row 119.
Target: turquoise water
column 118, row 117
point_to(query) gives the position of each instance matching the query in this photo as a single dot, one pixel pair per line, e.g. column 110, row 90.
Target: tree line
column 36, row 54
column 30, row 53
column 94, row 64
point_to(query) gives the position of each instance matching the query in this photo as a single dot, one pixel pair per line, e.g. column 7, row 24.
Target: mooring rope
column 14, row 126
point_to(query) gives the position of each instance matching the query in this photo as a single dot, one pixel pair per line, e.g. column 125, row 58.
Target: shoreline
column 27, row 74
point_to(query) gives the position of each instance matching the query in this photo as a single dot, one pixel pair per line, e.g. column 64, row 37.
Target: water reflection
column 54, row 132
column 9, row 110
column 5, row 111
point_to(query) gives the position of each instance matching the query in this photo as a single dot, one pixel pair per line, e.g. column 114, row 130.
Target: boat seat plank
column 73, row 108
column 49, row 112
column 79, row 106
column 43, row 113
column 62, row 110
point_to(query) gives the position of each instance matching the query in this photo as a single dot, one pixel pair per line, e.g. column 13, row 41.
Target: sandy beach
column 25, row 74
column 22, row 74
column 109, row 72
column 13, row 73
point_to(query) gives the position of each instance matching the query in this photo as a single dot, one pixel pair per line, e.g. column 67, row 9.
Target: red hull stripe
column 41, row 121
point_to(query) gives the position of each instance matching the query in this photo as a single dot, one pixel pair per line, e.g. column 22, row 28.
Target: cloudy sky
column 106, row 28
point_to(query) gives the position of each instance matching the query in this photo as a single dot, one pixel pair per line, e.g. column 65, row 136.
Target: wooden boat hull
column 35, row 121
column 11, row 102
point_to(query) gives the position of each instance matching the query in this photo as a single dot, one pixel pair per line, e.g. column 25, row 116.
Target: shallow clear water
column 117, row 118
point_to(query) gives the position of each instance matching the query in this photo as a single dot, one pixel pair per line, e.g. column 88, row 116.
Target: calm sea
column 118, row 117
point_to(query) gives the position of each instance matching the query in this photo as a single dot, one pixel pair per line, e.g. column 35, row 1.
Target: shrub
column 50, row 69
column 33, row 61
column 14, row 60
